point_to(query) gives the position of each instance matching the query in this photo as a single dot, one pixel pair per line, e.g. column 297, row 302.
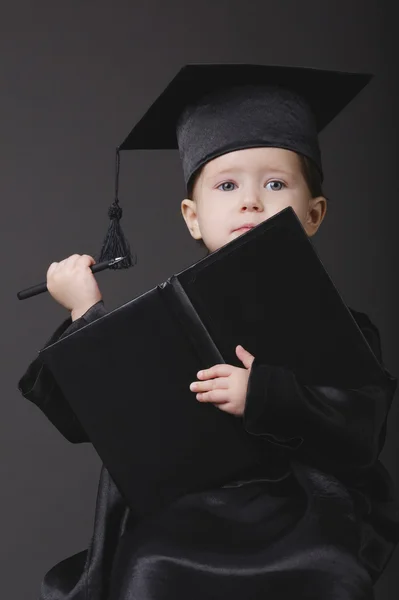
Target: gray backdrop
column 75, row 76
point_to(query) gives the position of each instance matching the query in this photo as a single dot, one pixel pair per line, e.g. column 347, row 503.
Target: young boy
column 318, row 520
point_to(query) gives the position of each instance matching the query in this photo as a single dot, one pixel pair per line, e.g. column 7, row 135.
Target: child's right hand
column 72, row 284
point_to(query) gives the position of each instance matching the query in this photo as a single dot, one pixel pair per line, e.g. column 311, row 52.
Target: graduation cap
column 208, row 110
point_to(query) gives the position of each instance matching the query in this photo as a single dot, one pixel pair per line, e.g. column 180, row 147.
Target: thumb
column 245, row 357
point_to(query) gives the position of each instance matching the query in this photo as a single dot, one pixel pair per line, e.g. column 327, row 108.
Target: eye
column 227, row 186
column 276, row 185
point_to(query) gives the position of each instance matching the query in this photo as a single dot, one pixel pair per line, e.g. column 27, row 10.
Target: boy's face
column 249, row 186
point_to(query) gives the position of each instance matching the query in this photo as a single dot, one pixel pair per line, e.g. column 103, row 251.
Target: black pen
column 42, row 287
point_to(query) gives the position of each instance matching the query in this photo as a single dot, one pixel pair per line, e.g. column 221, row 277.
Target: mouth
column 244, row 227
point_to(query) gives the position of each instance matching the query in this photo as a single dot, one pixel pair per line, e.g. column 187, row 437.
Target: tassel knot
column 115, row 244
column 115, row 211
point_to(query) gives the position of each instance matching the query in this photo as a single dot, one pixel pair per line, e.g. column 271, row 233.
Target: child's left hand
column 225, row 385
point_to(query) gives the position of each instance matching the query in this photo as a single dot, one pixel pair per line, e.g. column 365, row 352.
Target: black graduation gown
column 319, row 521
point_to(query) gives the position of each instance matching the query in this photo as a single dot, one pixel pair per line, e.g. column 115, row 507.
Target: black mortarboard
column 210, row 110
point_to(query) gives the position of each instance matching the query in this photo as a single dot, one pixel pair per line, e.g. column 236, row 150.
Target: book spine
column 180, row 306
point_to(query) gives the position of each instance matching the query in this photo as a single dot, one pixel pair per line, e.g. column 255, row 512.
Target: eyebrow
column 240, row 170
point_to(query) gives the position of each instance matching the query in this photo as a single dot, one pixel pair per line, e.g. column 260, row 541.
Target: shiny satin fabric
column 323, row 526
column 250, row 539
column 254, row 539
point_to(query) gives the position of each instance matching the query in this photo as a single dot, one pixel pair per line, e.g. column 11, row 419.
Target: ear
column 316, row 213
column 189, row 212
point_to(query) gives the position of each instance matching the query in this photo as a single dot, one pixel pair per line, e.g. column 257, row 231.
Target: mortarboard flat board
column 210, row 109
column 127, row 375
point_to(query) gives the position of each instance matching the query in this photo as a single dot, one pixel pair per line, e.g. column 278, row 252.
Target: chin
column 222, row 241
column 238, row 232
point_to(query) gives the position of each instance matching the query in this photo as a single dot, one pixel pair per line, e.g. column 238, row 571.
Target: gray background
column 75, row 76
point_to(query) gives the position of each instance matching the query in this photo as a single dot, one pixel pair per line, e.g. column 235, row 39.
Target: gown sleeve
column 341, row 427
column 38, row 385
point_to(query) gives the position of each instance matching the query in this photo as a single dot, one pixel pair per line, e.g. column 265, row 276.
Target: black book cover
column 127, row 374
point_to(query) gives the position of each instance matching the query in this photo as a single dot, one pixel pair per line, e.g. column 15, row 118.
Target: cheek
column 295, row 198
column 212, row 213
column 300, row 205
column 279, row 202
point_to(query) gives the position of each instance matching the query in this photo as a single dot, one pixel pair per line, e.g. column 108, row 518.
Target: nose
column 252, row 202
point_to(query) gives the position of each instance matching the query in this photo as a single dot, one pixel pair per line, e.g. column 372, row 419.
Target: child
column 317, row 521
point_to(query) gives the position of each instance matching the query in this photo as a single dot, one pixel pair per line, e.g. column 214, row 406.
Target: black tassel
column 115, row 243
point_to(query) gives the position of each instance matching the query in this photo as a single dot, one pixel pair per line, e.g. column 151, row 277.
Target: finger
column 245, row 357
column 69, row 261
column 51, row 268
column 214, row 397
column 87, row 259
column 222, row 370
column 221, row 383
column 80, row 260
column 227, row 407
column 243, row 352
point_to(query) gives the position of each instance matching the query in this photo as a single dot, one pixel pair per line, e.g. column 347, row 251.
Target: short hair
column 309, row 170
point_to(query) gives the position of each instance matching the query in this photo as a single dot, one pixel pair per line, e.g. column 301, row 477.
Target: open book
column 127, row 374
